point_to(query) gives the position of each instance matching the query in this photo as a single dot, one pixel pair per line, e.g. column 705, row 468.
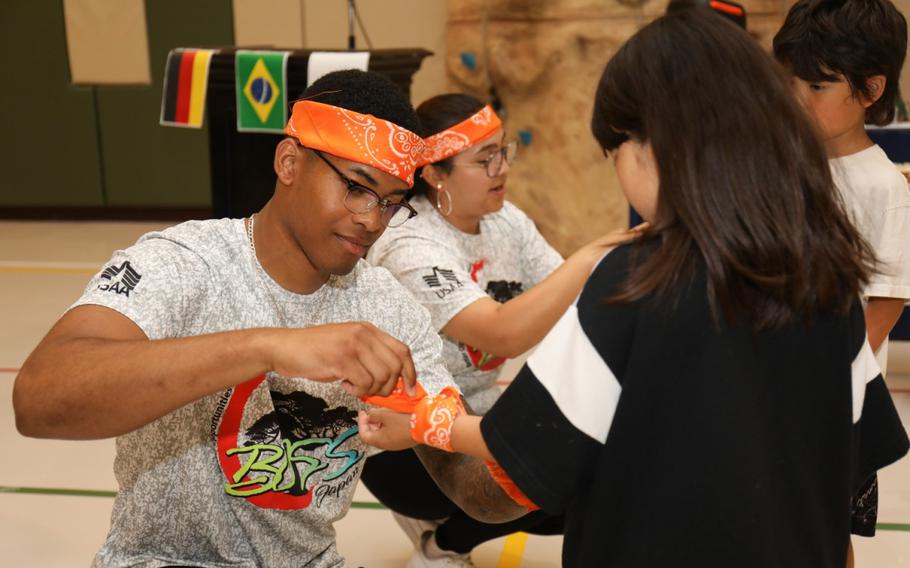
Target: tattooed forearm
column 466, row 481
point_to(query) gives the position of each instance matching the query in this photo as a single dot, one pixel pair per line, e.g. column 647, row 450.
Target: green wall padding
column 148, row 164
column 48, row 140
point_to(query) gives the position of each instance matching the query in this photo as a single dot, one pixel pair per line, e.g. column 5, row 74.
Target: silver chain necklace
column 249, row 233
column 280, row 313
column 333, row 281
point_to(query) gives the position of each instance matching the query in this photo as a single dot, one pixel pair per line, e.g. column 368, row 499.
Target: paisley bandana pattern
column 433, row 418
column 362, row 138
column 463, row 135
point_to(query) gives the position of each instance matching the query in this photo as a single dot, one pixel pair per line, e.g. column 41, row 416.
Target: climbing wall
column 543, row 59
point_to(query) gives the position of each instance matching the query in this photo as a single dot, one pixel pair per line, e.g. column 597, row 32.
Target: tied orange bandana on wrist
column 398, row 400
column 361, row 138
column 463, row 135
column 432, row 417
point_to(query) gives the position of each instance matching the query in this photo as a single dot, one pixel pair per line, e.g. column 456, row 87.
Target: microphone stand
column 351, row 13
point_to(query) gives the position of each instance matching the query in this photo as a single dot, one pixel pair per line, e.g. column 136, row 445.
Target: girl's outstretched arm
column 463, row 477
column 390, row 430
column 467, row 439
column 385, row 429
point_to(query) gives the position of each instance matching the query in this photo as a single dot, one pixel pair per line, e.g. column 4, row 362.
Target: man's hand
column 365, row 359
column 97, row 375
column 386, row 429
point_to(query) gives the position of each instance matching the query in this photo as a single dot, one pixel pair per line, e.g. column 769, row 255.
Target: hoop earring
column 439, row 192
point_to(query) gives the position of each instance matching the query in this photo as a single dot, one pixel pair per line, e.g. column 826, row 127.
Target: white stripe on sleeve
column 863, row 370
column 583, row 386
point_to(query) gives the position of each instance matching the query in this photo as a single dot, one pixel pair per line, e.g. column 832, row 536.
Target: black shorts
column 865, row 508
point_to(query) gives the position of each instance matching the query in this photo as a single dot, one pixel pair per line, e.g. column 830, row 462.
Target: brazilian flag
column 261, row 86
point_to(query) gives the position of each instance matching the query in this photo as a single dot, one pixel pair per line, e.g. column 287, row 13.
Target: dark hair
column 745, row 187
column 856, row 38
column 367, row 93
column 436, row 114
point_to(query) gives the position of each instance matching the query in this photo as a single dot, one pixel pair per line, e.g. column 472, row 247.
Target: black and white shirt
column 669, row 441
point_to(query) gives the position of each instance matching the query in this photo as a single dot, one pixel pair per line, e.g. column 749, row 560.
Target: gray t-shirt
column 448, row 270
column 254, row 475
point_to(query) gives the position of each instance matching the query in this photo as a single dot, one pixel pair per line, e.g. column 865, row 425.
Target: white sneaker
column 415, row 528
column 429, row 555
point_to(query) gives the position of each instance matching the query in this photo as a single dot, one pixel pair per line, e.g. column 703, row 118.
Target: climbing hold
column 469, row 60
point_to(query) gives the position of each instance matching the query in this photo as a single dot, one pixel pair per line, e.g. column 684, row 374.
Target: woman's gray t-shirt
column 448, row 270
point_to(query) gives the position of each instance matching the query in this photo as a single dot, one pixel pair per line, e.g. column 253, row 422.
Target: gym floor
column 56, row 496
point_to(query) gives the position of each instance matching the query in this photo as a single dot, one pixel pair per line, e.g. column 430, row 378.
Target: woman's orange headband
column 463, row 135
column 361, row 138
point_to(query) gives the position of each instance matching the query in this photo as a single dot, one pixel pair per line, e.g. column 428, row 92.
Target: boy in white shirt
column 846, row 57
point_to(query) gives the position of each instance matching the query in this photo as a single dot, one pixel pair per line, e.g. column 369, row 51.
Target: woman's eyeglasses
column 493, row 163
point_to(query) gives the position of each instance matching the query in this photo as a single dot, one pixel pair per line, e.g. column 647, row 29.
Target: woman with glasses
column 493, row 286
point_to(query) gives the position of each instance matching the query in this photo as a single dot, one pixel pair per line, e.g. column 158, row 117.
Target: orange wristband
column 502, row 478
column 433, row 418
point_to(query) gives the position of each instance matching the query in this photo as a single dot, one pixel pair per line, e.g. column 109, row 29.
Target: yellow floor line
column 48, row 268
column 513, row 550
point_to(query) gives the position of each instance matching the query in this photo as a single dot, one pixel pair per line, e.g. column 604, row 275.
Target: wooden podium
column 241, row 162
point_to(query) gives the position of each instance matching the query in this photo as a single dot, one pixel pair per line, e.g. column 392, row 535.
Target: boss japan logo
column 443, row 279
column 120, row 279
column 301, row 454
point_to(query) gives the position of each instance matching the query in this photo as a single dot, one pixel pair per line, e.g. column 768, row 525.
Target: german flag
column 186, row 78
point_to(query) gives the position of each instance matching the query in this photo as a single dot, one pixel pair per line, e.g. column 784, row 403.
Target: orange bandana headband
column 361, row 138
column 463, row 135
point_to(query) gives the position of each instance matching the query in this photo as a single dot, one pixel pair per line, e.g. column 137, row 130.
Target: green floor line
column 109, row 494
column 51, row 491
column 902, row 527
column 897, row 527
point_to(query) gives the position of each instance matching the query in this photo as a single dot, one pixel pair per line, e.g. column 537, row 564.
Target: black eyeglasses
column 493, row 164
column 361, row 199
